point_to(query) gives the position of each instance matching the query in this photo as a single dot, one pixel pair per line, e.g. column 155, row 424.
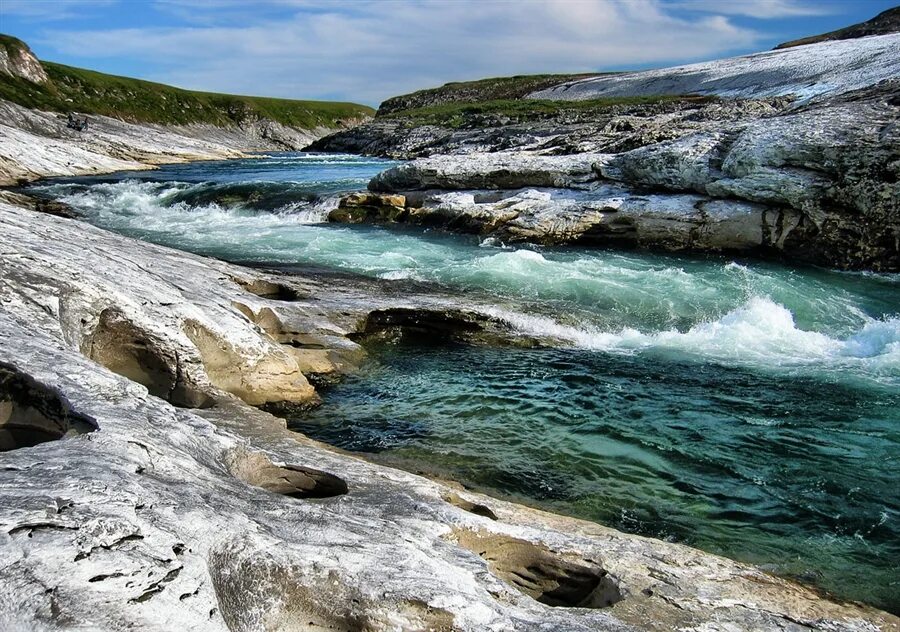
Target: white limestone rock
column 808, row 72
column 488, row 171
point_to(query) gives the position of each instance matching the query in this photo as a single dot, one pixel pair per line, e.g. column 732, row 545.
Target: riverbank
column 180, row 324
column 36, row 144
column 60, row 120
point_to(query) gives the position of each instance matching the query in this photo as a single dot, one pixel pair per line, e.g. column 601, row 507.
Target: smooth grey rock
column 488, row 171
column 813, row 71
column 602, row 214
column 36, row 144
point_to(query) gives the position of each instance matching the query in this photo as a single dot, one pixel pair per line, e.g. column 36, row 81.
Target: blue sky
column 368, row 50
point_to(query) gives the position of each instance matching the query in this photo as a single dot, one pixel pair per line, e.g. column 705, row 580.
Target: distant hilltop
column 48, row 86
column 882, row 24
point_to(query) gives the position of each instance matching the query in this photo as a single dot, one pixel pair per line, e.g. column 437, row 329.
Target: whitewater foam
column 734, row 313
column 759, row 334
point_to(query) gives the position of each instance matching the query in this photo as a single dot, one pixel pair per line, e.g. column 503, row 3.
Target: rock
column 816, row 71
column 605, row 128
column 211, row 519
column 368, row 207
column 178, row 350
column 488, row 171
column 40, row 205
column 818, row 184
column 32, row 413
column 17, row 60
column 605, row 215
column 36, row 144
column 837, row 164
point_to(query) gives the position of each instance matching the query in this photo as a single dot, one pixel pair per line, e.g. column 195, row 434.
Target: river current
column 750, row 409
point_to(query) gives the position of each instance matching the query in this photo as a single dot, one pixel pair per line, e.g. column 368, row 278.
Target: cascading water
column 747, row 408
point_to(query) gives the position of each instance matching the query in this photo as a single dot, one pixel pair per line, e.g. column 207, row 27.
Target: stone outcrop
column 488, row 171
column 817, row 184
column 607, row 128
column 605, row 215
column 17, row 60
column 816, row 71
column 35, row 144
column 159, row 516
column 368, row 207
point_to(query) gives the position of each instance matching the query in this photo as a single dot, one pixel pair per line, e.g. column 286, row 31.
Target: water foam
column 760, row 333
column 120, row 203
column 756, row 315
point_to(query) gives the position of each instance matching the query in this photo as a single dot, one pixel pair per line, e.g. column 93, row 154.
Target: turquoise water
column 746, row 408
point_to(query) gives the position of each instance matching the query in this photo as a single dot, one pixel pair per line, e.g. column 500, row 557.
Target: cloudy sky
column 367, row 50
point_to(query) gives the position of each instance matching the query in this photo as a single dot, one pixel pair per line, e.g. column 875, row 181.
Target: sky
column 367, row 50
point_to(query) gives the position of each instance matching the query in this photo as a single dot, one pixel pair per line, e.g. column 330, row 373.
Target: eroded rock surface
column 813, row 71
column 820, row 184
column 606, row 128
column 35, row 144
column 220, row 518
column 488, row 171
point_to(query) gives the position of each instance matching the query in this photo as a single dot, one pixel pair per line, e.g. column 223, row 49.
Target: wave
column 760, row 333
column 305, row 202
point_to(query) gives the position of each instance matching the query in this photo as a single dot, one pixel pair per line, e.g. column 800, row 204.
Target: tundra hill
column 64, row 88
column 882, row 24
column 478, row 91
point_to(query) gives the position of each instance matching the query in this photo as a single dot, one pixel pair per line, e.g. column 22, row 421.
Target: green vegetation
column 456, row 115
column 12, row 44
column 88, row 92
column 492, row 89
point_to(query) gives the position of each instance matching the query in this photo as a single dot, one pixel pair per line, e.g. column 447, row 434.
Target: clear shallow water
column 746, row 408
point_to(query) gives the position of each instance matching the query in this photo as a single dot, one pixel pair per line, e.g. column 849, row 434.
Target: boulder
column 488, row 171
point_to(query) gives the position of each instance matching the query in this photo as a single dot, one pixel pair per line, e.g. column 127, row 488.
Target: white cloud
column 50, row 10
column 763, row 9
column 369, row 50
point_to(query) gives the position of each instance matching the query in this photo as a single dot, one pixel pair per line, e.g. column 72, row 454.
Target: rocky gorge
column 148, row 480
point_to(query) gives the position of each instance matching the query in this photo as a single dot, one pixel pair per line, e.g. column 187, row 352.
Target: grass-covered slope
column 481, row 90
column 457, row 115
column 471, row 103
column 89, row 92
column 11, row 45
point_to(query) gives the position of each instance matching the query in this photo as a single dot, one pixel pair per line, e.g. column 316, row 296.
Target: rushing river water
column 746, row 408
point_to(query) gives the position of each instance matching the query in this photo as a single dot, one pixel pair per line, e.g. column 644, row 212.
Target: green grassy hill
column 87, row 92
column 487, row 102
column 478, row 91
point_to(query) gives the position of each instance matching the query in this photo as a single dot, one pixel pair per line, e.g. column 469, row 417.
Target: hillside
column 122, row 123
column 478, row 91
column 88, row 92
column 882, row 24
column 613, row 112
